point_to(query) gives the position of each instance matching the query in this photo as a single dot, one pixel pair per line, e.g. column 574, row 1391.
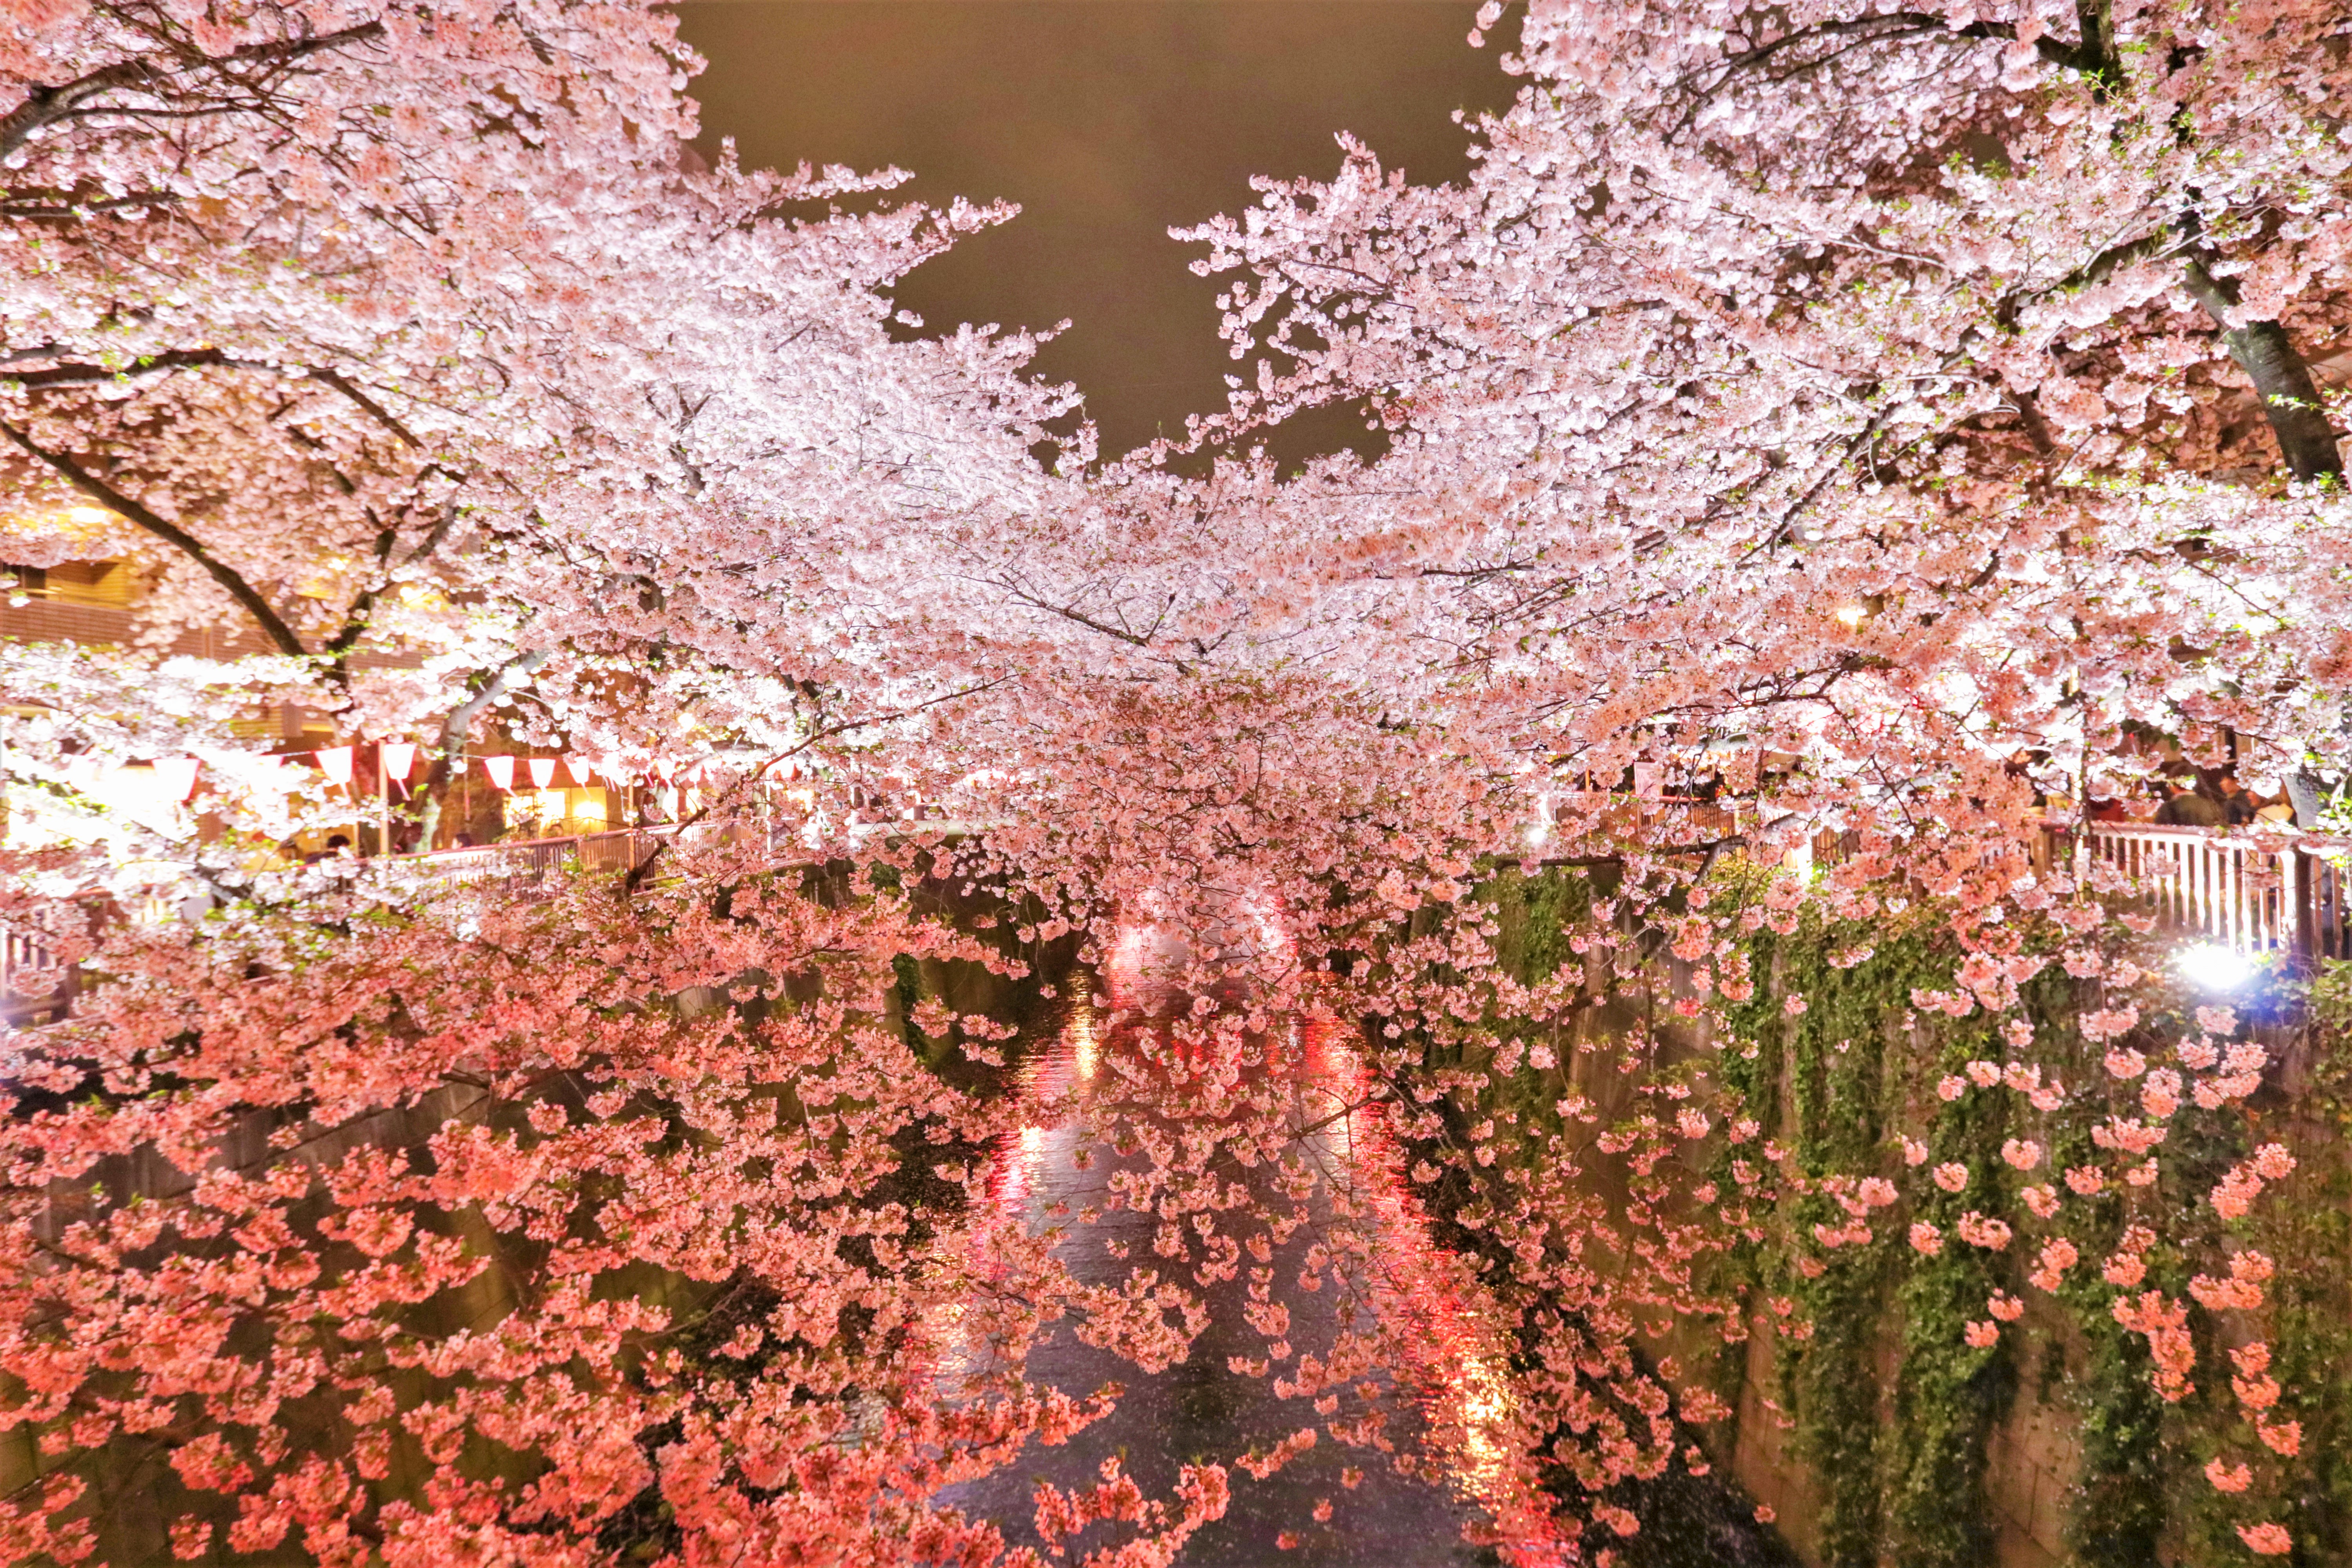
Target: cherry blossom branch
column 1078, row 616
column 637, row 873
column 2282, row 379
column 131, row 511
column 2089, row 57
column 73, row 374
column 45, row 105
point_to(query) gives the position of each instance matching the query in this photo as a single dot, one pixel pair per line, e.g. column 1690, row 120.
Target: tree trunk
column 458, row 728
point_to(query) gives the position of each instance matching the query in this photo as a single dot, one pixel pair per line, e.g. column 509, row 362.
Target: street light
column 2209, row 966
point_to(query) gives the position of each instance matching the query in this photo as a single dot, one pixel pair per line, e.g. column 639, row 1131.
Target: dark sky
column 1108, row 120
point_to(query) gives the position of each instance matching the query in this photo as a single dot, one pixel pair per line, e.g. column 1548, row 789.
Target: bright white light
column 1539, row 832
column 2209, row 966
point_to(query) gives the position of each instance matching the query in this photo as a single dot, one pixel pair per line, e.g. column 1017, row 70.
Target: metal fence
column 35, row 989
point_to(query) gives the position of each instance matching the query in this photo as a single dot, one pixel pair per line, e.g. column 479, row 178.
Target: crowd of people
column 2188, row 796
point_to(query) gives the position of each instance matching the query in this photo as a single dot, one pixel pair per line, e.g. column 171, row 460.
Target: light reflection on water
column 1443, row 1388
column 1470, row 1415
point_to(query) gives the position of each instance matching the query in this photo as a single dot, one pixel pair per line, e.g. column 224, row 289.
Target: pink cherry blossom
column 2266, row 1539
column 2227, row 1477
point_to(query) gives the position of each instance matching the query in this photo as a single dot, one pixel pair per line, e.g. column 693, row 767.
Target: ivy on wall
column 1893, row 1407
column 1887, row 1362
column 2312, row 1301
column 1898, row 1456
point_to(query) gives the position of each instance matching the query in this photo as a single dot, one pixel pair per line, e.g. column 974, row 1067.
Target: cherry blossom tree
column 1875, row 351
column 1890, row 393
column 555, row 1258
column 1825, row 403
column 417, row 340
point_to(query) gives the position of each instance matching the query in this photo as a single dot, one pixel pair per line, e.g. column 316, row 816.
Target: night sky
column 1108, row 120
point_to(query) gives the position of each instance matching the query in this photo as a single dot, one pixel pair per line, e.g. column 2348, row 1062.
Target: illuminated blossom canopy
column 1869, row 413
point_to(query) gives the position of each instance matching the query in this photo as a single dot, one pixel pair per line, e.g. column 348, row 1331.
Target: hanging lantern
column 583, row 774
column 399, row 756
column 176, row 777
column 501, row 771
column 542, row 771
column 336, row 762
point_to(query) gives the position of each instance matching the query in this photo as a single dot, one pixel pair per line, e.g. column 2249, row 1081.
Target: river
column 1413, row 1461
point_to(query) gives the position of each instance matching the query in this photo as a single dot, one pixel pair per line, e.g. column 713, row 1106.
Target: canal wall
column 1863, row 1422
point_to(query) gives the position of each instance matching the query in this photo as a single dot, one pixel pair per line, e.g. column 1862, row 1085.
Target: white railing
column 2253, row 893
column 32, row 985
column 531, row 859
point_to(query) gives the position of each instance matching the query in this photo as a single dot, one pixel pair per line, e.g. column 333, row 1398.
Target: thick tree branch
column 139, row 516
column 457, row 727
column 46, row 105
column 2281, row 380
column 2096, row 55
column 457, row 724
column 79, row 374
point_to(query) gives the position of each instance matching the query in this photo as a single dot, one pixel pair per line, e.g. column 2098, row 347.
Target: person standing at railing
column 2108, row 808
column 2239, row 803
column 2190, row 807
column 339, row 847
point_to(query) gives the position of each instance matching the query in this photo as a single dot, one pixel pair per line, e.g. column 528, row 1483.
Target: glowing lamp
column 336, row 761
column 2209, row 966
column 542, row 771
column 176, row 777
column 399, row 756
column 583, row 774
column 501, row 771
